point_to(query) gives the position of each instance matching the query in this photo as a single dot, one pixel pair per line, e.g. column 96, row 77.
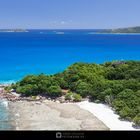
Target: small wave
column 60, row 33
column 4, row 103
column 8, row 82
column 91, row 33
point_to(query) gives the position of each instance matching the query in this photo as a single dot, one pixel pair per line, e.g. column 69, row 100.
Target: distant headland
column 122, row 30
column 13, row 30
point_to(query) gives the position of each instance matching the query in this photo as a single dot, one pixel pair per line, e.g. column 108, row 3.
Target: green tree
column 82, row 89
column 27, row 90
column 126, row 113
column 77, row 97
column 136, row 120
column 54, row 91
column 73, row 97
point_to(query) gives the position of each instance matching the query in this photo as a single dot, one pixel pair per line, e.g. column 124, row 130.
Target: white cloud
column 59, row 22
column 63, row 22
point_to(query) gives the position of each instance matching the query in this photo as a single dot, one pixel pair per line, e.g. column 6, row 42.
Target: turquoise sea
column 51, row 51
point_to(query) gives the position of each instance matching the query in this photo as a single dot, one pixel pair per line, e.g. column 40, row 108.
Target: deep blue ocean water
column 51, row 51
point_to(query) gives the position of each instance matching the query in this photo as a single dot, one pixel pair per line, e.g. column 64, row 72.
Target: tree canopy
column 116, row 83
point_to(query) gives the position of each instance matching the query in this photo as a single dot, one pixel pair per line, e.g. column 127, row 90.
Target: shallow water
column 51, row 51
column 5, row 116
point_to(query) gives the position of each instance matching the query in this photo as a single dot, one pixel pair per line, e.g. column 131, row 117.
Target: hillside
column 123, row 30
column 115, row 83
column 13, row 30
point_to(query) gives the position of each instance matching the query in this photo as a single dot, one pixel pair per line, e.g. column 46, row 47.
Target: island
column 13, row 30
column 122, row 30
column 114, row 83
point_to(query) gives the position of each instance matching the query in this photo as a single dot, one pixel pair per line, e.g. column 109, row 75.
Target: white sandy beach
column 106, row 115
column 67, row 116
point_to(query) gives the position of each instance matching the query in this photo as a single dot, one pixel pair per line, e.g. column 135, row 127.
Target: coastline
column 107, row 116
column 7, row 122
column 47, row 114
column 119, row 33
column 50, row 115
column 40, row 114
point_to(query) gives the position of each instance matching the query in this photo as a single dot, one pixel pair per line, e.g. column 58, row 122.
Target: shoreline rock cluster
column 13, row 96
column 45, row 113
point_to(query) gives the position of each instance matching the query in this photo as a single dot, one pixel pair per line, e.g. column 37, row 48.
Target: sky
column 69, row 14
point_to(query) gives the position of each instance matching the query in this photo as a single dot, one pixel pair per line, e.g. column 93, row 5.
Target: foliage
column 137, row 120
column 116, row 83
column 34, row 85
column 54, row 90
column 77, row 97
column 33, row 97
column 7, row 88
column 73, row 97
column 123, row 30
column 69, row 96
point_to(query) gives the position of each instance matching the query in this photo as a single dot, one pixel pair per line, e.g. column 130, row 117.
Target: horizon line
column 66, row 28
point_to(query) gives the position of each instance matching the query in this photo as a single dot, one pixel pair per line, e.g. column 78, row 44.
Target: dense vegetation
column 123, row 30
column 115, row 83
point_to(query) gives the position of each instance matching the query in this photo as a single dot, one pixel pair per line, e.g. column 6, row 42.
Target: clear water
column 5, row 117
column 51, row 51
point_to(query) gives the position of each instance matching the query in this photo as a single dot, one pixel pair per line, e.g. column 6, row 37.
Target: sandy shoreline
column 107, row 115
column 48, row 115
